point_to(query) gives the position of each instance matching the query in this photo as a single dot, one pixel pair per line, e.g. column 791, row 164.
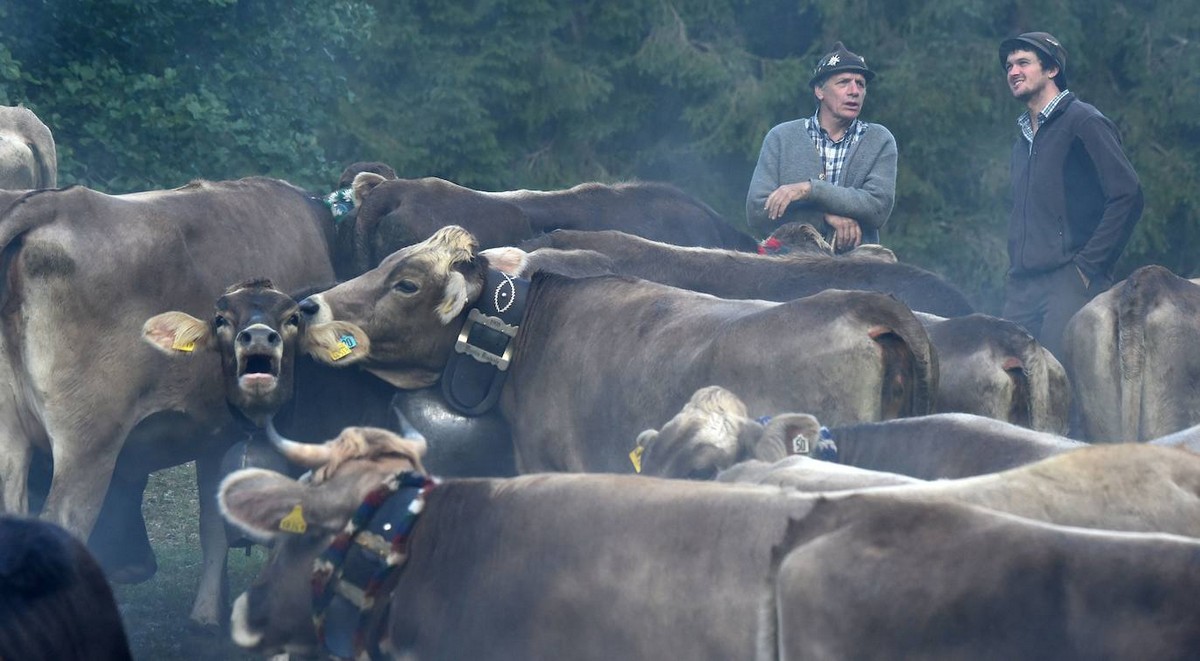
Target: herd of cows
column 649, row 440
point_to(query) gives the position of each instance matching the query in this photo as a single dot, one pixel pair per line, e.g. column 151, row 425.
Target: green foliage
column 147, row 94
column 503, row 94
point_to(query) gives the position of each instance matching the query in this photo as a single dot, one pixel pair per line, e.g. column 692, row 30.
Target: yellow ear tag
column 183, row 346
column 339, row 352
column 636, row 458
column 294, row 521
column 345, row 345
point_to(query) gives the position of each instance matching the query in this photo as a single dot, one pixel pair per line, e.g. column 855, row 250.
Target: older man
column 831, row 170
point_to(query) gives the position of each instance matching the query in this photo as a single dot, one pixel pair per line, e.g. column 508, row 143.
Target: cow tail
column 1020, row 407
column 47, row 167
column 1131, row 350
column 909, row 373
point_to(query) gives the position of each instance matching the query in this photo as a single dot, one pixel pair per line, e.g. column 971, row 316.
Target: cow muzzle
column 259, row 351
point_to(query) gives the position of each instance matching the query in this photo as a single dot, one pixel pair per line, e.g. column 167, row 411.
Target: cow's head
column 400, row 319
column 713, row 432
column 300, row 518
column 255, row 328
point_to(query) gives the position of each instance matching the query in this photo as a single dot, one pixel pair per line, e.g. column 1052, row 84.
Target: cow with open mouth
column 580, row 366
column 372, row 556
column 255, row 329
column 257, row 351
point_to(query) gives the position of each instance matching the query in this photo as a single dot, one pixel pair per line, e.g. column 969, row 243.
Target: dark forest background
column 498, row 95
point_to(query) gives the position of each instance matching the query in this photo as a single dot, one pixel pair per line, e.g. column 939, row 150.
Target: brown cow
column 610, row 566
column 603, row 358
column 732, row 274
column 995, row 368
column 1130, row 355
column 1128, row 487
column 28, row 157
column 394, row 213
column 714, row 432
column 84, row 270
column 987, row 366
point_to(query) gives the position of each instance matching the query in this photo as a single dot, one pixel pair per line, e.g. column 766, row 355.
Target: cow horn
column 308, row 455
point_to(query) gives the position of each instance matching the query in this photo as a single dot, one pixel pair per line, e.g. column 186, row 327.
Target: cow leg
column 78, row 486
column 119, row 539
column 15, row 460
column 211, row 607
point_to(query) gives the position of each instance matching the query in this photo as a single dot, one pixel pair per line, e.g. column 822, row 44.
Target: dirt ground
column 156, row 612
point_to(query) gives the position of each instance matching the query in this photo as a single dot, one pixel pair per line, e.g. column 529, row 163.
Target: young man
column 832, row 170
column 1075, row 196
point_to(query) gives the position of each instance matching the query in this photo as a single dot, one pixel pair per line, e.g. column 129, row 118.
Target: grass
column 156, row 612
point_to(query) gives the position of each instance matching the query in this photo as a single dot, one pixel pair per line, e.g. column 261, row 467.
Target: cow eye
column 406, row 286
column 219, row 321
column 294, row 320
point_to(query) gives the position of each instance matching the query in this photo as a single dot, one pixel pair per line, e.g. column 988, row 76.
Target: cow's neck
column 352, row 580
column 480, row 360
column 247, row 428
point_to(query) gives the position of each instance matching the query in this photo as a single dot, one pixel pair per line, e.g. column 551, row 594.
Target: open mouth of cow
column 258, row 372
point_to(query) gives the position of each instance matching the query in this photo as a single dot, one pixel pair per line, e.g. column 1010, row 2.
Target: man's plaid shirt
column 833, row 154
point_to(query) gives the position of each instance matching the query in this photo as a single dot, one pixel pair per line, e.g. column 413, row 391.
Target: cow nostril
column 309, row 307
column 243, row 337
column 273, row 338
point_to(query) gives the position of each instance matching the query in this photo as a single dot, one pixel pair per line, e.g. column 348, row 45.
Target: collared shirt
column 1027, row 126
column 833, row 154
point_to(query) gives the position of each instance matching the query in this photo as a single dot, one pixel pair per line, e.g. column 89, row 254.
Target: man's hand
column 847, row 235
column 780, row 198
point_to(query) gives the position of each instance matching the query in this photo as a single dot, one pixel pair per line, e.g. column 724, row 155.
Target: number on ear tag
column 340, row 351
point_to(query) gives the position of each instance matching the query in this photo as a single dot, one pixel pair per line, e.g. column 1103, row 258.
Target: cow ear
column 338, row 342
column 786, row 434
column 508, row 259
column 460, row 291
column 175, row 333
column 266, row 504
column 364, row 182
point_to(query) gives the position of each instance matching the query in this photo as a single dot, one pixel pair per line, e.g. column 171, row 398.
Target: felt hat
column 1043, row 42
column 839, row 59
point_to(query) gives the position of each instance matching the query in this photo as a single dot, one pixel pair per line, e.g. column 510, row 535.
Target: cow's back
column 652, row 210
column 632, row 352
column 947, row 581
column 732, row 274
column 945, row 445
column 530, row 568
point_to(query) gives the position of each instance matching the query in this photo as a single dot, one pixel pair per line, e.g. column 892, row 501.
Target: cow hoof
column 132, row 574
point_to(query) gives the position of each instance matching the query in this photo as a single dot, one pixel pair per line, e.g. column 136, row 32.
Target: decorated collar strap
column 478, row 366
column 351, row 580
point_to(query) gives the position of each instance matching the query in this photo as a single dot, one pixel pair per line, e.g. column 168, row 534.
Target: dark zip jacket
column 1075, row 196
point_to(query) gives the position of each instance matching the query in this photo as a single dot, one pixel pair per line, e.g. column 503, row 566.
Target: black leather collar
column 477, row 368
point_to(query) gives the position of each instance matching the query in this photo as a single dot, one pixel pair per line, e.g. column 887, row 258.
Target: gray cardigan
column 867, row 191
